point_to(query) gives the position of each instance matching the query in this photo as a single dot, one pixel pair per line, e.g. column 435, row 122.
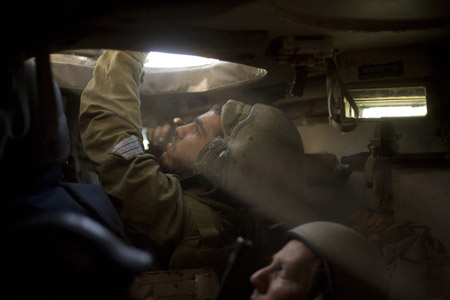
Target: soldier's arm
column 148, row 200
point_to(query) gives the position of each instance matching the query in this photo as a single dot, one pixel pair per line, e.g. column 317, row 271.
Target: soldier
column 323, row 259
column 191, row 215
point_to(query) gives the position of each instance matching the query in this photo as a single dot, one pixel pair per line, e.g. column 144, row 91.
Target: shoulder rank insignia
column 128, row 147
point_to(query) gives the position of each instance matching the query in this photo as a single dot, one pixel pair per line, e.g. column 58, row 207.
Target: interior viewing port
column 389, row 102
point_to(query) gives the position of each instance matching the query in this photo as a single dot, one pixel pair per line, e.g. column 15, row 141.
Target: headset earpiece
column 211, row 160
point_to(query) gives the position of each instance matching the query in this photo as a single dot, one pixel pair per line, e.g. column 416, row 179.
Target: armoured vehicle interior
column 365, row 82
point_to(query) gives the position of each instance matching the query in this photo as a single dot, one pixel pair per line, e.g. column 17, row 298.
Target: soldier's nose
column 180, row 131
column 260, row 279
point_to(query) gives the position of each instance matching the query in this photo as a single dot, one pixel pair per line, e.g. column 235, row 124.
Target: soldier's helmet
column 353, row 267
column 259, row 160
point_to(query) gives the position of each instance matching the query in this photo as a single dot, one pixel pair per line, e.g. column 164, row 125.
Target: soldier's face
column 290, row 276
column 188, row 140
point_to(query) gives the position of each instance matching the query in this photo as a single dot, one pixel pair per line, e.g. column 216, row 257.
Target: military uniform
column 181, row 228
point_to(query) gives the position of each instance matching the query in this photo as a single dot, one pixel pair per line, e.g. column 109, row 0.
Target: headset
column 210, row 163
column 211, row 160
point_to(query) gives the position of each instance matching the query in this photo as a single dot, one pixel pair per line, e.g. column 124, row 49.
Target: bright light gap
column 393, row 111
column 169, row 60
column 146, row 142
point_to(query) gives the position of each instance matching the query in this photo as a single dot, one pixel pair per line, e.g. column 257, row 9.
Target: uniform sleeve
column 149, row 201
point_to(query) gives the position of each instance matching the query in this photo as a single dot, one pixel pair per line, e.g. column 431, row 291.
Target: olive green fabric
column 233, row 112
column 157, row 214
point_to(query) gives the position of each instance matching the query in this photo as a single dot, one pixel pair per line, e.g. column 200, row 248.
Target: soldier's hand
column 161, row 135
